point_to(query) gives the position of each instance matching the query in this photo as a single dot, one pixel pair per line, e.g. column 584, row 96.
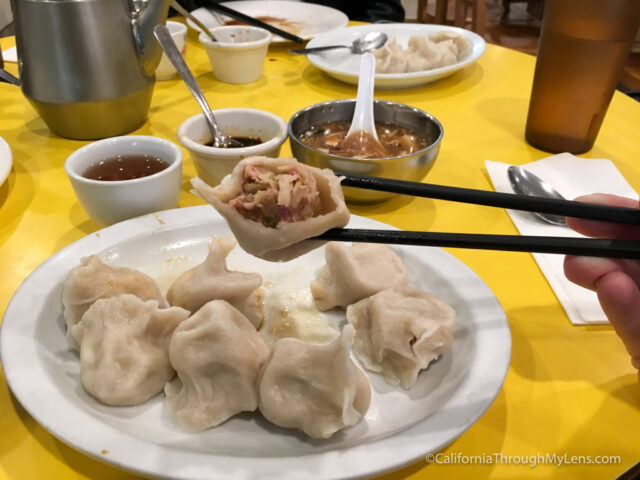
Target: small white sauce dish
column 178, row 31
column 109, row 202
column 213, row 164
column 238, row 55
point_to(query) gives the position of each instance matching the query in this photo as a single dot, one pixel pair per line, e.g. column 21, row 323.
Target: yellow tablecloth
column 570, row 390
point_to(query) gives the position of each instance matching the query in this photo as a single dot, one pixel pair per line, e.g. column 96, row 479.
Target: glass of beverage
column 583, row 48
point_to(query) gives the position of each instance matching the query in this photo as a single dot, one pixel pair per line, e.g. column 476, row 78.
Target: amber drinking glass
column 583, row 47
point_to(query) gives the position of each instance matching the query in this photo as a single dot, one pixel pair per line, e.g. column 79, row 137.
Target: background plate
column 400, row 427
column 302, row 19
column 344, row 65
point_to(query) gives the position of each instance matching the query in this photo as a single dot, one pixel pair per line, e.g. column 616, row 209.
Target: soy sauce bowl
column 111, row 201
column 414, row 166
column 213, row 164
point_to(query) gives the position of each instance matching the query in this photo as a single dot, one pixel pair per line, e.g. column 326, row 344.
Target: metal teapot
column 87, row 66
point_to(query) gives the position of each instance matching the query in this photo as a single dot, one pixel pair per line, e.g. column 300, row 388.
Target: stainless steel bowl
column 408, row 167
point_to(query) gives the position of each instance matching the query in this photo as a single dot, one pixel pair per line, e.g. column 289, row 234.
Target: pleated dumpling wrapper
column 94, row 279
column 272, row 205
column 400, row 332
column 124, row 348
column 217, row 354
column 314, row 388
column 352, row 273
column 212, row 280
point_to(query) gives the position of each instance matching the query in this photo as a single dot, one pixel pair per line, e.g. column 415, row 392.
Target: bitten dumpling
column 217, row 354
column 353, row 273
column 314, row 388
column 124, row 348
column 273, row 204
column 211, row 280
column 400, row 331
column 93, row 279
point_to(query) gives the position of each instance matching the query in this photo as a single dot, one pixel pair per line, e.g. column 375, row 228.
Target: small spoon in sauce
column 362, row 136
column 173, row 54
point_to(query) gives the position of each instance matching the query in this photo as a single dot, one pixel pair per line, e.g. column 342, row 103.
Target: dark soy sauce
column 244, row 142
column 125, row 167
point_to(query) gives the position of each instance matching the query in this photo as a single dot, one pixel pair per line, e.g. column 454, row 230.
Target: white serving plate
column 6, row 160
column 305, row 20
column 344, row 65
column 399, row 428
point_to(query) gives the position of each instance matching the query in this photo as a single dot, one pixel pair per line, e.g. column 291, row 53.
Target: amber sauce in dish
column 125, row 167
column 396, row 141
column 244, row 141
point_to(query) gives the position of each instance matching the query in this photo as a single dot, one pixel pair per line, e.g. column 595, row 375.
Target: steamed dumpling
column 463, row 46
column 390, row 58
column 211, row 280
column 273, row 204
column 422, row 53
column 399, row 332
column 217, row 354
column 93, row 280
column 353, row 273
column 316, row 389
column 124, row 342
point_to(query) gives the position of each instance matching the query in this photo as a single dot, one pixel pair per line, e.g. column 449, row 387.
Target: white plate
column 400, row 427
column 302, row 19
column 6, row 160
column 344, row 65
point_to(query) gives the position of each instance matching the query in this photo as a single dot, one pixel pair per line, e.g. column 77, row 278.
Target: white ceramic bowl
column 238, row 55
column 212, row 163
column 178, row 31
column 109, row 202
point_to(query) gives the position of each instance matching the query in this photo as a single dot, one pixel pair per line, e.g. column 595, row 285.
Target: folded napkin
column 10, row 55
column 572, row 176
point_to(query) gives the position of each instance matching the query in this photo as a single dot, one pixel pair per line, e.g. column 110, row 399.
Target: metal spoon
column 185, row 13
column 526, row 183
column 168, row 45
column 369, row 42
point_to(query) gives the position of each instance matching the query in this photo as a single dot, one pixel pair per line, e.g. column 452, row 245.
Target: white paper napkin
column 572, row 176
column 10, row 55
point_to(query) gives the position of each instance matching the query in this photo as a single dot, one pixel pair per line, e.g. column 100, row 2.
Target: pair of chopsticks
column 612, row 248
column 229, row 12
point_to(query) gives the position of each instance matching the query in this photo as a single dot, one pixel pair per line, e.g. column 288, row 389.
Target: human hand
column 616, row 281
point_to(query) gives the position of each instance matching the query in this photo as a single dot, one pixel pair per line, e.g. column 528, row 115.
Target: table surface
column 569, row 390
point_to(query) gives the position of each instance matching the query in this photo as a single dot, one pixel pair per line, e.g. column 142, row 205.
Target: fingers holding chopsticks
column 617, row 282
column 593, row 228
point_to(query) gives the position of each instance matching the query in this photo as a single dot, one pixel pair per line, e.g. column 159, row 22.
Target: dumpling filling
column 289, row 194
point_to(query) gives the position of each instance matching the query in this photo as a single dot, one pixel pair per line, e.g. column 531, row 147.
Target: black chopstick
column 591, row 247
column 568, row 208
column 230, row 12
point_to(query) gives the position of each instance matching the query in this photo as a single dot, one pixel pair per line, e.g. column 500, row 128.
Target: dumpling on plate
column 217, row 354
column 273, row 204
column 124, row 348
column 391, row 58
column 93, row 279
column 211, row 280
column 353, row 273
column 400, row 331
column 422, row 54
column 463, row 46
column 314, row 388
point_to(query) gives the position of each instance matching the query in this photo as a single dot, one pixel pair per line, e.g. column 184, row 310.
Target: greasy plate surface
column 401, row 426
column 302, row 19
column 343, row 65
column 6, row 160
